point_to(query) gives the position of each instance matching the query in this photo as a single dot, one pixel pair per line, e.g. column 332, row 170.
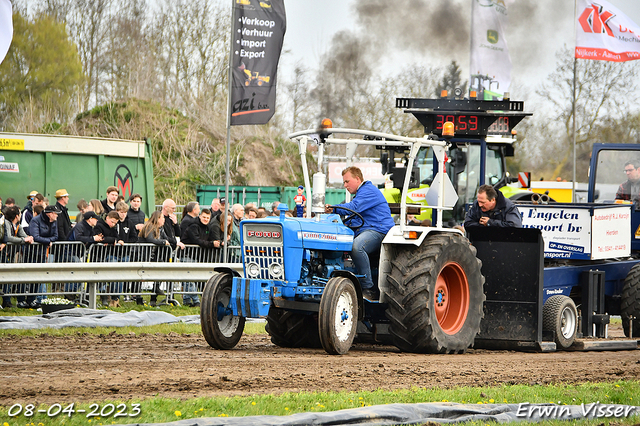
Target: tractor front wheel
column 338, row 316
column 435, row 295
column 559, row 314
column 221, row 329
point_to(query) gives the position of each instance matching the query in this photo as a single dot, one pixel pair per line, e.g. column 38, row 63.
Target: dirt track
column 51, row 370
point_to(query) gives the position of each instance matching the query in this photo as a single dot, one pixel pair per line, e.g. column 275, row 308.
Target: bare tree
column 604, row 91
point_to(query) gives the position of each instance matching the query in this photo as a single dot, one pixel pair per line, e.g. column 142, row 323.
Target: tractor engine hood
column 327, row 233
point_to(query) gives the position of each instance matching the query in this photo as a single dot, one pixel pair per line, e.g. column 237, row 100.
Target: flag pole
column 575, row 65
column 225, row 249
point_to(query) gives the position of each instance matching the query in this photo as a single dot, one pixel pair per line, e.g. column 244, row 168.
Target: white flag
column 605, row 34
column 490, row 61
column 6, row 27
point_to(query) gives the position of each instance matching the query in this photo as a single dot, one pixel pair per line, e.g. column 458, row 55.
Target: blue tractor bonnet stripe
column 247, row 295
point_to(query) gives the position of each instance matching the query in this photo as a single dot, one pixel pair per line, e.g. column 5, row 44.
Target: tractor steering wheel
column 354, row 214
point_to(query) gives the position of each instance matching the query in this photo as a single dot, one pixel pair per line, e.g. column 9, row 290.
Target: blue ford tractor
column 299, row 275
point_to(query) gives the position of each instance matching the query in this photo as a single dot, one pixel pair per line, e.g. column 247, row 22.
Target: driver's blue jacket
column 371, row 204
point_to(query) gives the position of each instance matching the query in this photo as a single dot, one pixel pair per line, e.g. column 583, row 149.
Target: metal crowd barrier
column 58, row 252
column 75, row 252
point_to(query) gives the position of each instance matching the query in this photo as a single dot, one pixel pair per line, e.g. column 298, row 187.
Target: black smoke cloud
column 435, row 32
column 421, row 27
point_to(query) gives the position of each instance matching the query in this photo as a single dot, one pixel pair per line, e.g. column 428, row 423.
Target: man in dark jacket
column 64, row 221
column 630, row 189
column 44, row 228
column 171, row 226
column 126, row 231
column 198, row 233
column 83, row 231
column 135, row 214
column 111, row 252
column 189, row 216
column 491, row 208
column 109, row 203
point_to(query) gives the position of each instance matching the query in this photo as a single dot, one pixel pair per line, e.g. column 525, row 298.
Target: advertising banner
column 581, row 231
column 258, row 33
column 6, row 27
column 604, row 33
column 611, row 232
column 490, row 61
column 566, row 231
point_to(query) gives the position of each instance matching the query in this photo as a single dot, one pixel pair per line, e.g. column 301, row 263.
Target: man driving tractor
column 369, row 202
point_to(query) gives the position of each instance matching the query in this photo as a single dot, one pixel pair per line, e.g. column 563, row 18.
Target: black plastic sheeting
column 419, row 414
column 82, row 317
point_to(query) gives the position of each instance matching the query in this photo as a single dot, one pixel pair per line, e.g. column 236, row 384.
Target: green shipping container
column 85, row 167
column 263, row 196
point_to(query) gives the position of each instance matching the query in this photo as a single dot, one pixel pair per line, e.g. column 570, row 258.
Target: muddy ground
column 81, row 368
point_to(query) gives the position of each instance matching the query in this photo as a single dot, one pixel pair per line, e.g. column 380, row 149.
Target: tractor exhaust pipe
column 540, row 198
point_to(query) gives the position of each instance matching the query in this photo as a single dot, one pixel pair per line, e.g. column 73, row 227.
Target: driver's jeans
column 364, row 244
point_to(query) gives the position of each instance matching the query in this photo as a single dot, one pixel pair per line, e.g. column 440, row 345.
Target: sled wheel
column 338, row 316
column 630, row 304
column 435, row 296
column 221, row 329
column 290, row 329
column 559, row 314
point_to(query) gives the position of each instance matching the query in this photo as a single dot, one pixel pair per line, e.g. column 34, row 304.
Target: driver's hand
column 328, row 208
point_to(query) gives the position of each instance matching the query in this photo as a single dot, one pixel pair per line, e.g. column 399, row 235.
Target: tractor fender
column 394, row 236
column 227, row 270
column 356, row 283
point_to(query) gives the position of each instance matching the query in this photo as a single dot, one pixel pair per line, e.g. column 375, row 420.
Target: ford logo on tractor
column 263, row 234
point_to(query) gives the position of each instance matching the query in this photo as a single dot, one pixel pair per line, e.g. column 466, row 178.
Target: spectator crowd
column 113, row 222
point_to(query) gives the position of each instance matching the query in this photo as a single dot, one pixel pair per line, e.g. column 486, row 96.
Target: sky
column 433, row 32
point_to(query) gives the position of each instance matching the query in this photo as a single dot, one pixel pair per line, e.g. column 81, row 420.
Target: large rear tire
column 221, row 330
column 559, row 314
column 630, row 303
column 290, row 329
column 338, row 316
column 435, row 296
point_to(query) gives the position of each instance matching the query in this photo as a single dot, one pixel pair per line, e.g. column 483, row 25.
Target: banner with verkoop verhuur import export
column 258, row 34
column 581, row 232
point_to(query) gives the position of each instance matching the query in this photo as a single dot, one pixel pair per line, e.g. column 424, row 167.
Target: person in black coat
column 135, row 214
column 126, row 231
column 491, row 208
column 83, row 231
column 64, row 221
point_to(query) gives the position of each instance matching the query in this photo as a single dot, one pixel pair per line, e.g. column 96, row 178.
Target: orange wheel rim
column 451, row 299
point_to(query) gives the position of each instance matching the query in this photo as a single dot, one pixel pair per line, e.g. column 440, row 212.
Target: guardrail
column 34, row 271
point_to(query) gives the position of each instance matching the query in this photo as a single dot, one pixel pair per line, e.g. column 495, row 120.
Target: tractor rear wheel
column 221, row 329
column 559, row 314
column 630, row 304
column 338, row 316
column 290, row 329
column 435, row 295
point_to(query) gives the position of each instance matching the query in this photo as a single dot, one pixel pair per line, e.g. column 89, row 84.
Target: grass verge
column 180, row 328
column 162, row 410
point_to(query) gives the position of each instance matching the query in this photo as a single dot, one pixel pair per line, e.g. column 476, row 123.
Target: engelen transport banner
column 258, row 34
column 490, row 62
column 604, row 33
column 6, row 28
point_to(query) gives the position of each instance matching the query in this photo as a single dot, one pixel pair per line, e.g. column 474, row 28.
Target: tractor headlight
column 253, row 270
column 275, row 270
